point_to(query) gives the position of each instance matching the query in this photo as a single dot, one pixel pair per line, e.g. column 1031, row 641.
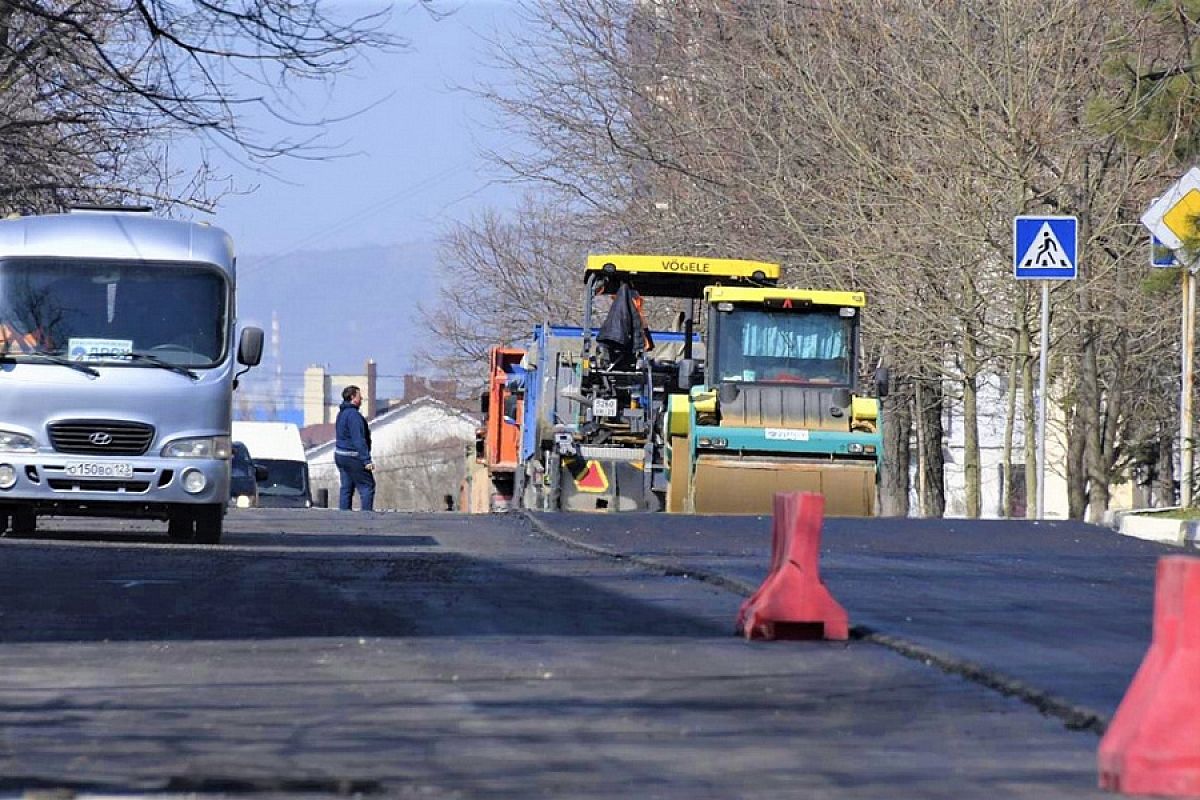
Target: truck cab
column 117, row 368
column 278, row 452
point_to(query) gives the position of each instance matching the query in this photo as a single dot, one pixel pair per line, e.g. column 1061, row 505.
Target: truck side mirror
column 882, row 378
column 261, row 473
column 485, row 401
column 687, row 369
column 250, row 348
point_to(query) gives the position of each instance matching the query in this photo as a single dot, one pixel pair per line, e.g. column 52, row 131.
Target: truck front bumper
column 52, row 481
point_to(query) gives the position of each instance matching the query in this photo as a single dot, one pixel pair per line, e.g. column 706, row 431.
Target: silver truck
column 117, row 369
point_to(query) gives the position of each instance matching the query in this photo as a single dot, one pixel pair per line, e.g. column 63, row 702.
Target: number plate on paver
column 99, row 469
column 605, row 407
column 789, row 434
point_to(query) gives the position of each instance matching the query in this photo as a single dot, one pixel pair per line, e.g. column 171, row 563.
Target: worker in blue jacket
column 352, row 452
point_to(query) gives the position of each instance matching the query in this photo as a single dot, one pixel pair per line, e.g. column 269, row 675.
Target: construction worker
column 352, row 453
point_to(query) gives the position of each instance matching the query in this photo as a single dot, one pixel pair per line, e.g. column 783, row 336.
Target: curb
column 1148, row 526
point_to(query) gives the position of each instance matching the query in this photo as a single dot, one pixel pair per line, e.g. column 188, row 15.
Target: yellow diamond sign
column 1184, row 217
column 1174, row 217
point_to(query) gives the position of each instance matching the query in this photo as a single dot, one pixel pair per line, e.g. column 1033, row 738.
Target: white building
column 420, row 450
column 992, row 405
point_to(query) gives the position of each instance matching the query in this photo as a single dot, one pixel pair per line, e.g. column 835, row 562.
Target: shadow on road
column 376, row 589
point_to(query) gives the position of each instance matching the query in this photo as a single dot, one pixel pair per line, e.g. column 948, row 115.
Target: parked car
column 244, row 478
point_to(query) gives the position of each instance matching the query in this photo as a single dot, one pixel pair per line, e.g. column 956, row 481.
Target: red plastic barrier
column 1152, row 745
column 793, row 601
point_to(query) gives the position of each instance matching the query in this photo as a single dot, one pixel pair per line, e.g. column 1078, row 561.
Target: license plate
column 605, row 407
column 99, row 469
column 787, row 434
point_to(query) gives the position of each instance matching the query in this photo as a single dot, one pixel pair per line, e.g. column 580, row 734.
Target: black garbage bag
column 624, row 333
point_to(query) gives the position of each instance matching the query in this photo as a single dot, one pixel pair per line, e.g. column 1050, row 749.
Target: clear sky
column 410, row 160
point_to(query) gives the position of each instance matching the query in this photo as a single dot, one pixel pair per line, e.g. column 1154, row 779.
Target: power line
column 358, row 216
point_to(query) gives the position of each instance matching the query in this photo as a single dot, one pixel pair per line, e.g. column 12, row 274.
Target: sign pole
column 1041, row 412
column 1188, row 342
column 1045, row 249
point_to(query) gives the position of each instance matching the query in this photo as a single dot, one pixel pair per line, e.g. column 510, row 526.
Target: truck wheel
column 209, row 522
column 180, row 526
column 24, row 521
column 198, row 524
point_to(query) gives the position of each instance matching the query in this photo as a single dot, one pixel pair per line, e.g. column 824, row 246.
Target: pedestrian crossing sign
column 1045, row 248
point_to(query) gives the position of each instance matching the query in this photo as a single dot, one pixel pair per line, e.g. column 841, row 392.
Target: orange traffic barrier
column 793, row 602
column 1152, row 745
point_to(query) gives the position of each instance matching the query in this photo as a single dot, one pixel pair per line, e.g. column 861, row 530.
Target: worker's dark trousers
column 355, row 475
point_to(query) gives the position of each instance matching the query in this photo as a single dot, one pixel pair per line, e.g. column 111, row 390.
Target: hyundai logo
column 100, row 438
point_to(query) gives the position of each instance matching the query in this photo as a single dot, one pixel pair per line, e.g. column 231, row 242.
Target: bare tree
column 502, row 278
column 887, row 147
column 94, row 93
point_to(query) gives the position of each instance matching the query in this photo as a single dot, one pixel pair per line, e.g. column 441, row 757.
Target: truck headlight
column 200, row 447
column 16, row 443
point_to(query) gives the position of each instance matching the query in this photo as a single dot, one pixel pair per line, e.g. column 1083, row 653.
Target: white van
column 277, row 446
column 117, row 370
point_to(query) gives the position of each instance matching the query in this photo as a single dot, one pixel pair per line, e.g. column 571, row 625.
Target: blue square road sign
column 1045, row 248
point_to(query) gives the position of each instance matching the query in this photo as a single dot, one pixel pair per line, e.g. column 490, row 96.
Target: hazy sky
column 341, row 251
column 411, row 158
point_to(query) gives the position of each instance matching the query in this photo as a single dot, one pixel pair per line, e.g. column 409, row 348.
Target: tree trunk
column 1029, row 420
column 933, row 464
column 1164, row 478
column 971, row 425
column 894, row 483
column 1089, row 411
column 1007, row 490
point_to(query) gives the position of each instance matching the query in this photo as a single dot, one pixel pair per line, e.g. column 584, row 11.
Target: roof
column 394, row 415
column 313, row 435
column 816, row 297
column 265, row 440
column 678, row 276
column 115, row 235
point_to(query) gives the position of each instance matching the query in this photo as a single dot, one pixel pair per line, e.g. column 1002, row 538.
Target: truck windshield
column 784, row 346
column 283, row 477
column 102, row 311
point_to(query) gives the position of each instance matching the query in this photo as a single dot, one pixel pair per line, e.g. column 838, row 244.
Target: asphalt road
column 1060, row 607
column 323, row 653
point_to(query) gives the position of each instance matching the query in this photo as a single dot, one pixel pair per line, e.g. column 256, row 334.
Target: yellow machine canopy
column 776, row 296
column 677, row 276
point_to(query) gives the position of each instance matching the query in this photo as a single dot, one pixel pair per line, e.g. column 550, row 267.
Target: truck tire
column 209, row 523
column 24, row 521
column 180, row 526
column 196, row 524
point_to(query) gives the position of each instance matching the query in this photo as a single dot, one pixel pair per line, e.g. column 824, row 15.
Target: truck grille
column 101, row 437
column 122, row 487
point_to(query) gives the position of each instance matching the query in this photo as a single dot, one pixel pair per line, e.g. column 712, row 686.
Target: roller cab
column 778, row 408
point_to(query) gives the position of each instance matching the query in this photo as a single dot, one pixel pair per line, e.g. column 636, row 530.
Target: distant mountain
column 341, row 307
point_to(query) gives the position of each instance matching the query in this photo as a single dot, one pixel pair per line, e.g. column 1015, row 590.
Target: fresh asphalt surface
column 1063, row 607
column 323, row 653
